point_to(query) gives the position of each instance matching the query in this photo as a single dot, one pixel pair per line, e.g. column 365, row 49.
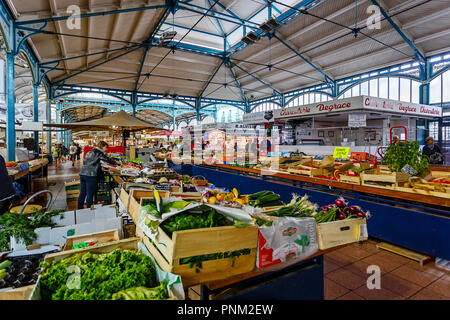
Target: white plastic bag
column 291, row 235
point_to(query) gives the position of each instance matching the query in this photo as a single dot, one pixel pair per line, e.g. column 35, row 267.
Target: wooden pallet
column 337, row 233
column 422, row 259
column 189, row 243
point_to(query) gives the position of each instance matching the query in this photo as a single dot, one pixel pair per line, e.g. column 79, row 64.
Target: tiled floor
column 345, row 270
column 346, row 274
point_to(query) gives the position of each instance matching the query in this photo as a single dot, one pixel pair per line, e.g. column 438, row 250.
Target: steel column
column 58, row 119
column 197, row 110
column 10, row 96
column 174, row 117
column 49, row 132
column 36, row 116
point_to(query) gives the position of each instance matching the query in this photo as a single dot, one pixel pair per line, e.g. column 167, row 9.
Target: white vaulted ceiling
column 330, row 47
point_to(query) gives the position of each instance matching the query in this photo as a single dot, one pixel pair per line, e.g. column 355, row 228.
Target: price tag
column 341, row 152
column 409, row 170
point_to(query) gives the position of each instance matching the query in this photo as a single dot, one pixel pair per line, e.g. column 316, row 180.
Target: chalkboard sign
column 163, row 188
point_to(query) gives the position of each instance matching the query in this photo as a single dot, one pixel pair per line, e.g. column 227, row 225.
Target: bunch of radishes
column 339, row 211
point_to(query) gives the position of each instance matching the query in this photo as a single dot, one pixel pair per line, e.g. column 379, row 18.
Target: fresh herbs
column 22, row 227
column 100, row 276
column 190, row 220
column 400, row 154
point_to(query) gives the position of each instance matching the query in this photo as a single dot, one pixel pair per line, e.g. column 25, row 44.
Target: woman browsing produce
column 91, row 172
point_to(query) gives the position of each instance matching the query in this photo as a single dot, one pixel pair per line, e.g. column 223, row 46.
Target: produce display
column 401, row 154
column 20, row 271
column 264, row 199
column 189, row 220
column 231, row 199
column 118, row 275
column 22, row 226
column 296, row 208
column 340, row 210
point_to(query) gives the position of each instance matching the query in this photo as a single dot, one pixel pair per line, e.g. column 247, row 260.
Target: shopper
column 7, row 191
column 57, row 154
column 91, row 173
column 78, row 151
column 73, row 153
column 432, row 151
column 64, row 152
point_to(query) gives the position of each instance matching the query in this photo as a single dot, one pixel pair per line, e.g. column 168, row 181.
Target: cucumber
column 5, row 264
column 259, row 195
column 271, row 204
column 267, row 199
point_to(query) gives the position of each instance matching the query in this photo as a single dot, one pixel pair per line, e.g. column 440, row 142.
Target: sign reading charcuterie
column 358, row 103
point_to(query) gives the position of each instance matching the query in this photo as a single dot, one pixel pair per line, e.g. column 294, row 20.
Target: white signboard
column 357, row 120
column 327, row 107
column 24, row 112
column 99, row 134
column 358, row 103
column 386, row 105
column 32, row 126
column 255, row 118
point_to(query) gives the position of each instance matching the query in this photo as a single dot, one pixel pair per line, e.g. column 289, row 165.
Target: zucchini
column 259, row 195
column 5, row 264
column 271, row 204
column 266, row 199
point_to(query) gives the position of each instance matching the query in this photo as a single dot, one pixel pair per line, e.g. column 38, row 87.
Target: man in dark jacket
column 7, row 191
column 432, row 151
column 91, row 172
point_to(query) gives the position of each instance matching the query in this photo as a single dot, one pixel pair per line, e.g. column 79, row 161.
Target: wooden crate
column 445, row 195
column 393, row 178
column 350, row 179
column 136, row 197
column 124, row 197
column 337, row 233
column 188, row 243
column 22, row 293
column 72, row 195
column 100, row 237
column 126, row 244
column 313, row 172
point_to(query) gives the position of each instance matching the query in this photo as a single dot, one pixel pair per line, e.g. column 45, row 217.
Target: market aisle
column 56, row 179
column 401, row 278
